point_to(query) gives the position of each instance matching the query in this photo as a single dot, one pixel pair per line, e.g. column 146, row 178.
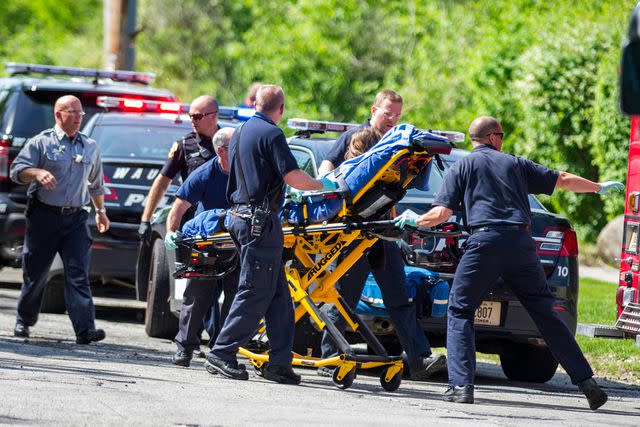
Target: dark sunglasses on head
column 198, row 116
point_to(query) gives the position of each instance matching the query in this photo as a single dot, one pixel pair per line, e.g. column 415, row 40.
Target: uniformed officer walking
column 185, row 156
column 57, row 164
column 206, row 187
column 255, row 190
column 384, row 261
column 493, row 189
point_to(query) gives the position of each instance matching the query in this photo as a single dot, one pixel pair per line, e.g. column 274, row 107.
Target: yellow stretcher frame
column 329, row 240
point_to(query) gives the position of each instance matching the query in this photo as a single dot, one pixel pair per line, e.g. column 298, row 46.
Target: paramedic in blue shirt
column 205, row 187
column 256, row 192
column 493, row 187
column 64, row 171
column 384, row 261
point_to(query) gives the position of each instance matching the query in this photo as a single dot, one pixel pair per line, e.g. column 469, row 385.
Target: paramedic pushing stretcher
column 493, row 189
column 385, row 262
column 255, row 191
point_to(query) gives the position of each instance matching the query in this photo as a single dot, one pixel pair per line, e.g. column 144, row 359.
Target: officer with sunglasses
column 492, row 188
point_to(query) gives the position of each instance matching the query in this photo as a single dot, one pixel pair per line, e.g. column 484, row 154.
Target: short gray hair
column 222, row 137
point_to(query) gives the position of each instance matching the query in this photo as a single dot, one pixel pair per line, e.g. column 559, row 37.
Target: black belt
column 61, row 210
column 500, row 227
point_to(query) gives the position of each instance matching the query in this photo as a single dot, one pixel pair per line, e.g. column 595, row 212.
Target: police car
column 27, row 98
column 503, row 326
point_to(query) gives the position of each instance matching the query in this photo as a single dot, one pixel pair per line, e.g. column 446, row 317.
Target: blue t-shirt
column 340, row 147
column 206, row 187
column 265, row 158
column 494, row 187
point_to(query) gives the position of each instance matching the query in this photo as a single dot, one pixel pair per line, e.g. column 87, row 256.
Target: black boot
column 281, row 374
column 595, row 395
column 21, row 330
column 428, row 366
column 459, row 394
column 92, row 335
column 215, row 365
column 182, row 358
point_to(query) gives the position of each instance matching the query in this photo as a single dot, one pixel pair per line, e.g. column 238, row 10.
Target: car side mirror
column 630, row 68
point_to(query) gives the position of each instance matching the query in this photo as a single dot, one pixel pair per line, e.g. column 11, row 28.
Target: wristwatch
column 101, row 210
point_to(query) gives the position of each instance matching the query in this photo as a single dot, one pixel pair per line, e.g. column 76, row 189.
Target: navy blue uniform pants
column 262, row 292
column 509, row 254
column 389, row 273
column 49, row 233
column 200, row 298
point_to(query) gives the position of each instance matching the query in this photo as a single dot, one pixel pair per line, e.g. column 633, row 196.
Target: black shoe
column 595, row 395
column 21, row 331
column 199, row 354
column 90, row 336
column 228, row 369
column 428, row 366
column 182, row 358
column 459, row 394
column 325, row 371
column 281, row 374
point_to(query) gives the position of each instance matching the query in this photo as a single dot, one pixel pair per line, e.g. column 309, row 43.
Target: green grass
column 611, row 358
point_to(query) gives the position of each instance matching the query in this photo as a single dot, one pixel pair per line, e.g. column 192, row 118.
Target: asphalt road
column 128, row 379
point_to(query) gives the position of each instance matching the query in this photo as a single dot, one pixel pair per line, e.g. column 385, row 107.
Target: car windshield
column 136, row 141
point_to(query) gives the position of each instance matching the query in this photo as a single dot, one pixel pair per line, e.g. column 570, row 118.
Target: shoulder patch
column 173, row 150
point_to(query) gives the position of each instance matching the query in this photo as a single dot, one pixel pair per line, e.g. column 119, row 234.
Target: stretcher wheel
column 394, row 383
column 346, row 381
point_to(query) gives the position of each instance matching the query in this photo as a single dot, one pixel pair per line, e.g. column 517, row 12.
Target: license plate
column 488, row 313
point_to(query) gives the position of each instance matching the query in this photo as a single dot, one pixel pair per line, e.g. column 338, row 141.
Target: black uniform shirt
column 339, row 149
column 494, row 187
column 265, row 158
column 187, row 154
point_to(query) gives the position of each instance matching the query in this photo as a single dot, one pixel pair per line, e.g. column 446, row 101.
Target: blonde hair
column 362, row 141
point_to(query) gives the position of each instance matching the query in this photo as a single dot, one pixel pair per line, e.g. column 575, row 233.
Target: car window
column 435, row 182
column 136, row 141
column 304, row 158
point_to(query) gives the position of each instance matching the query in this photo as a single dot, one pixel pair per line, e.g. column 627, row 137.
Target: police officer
column 250, row 99
column 384, row 261
column 255, row 190
column 57, row 164
column 492, row 188
column 205, row 187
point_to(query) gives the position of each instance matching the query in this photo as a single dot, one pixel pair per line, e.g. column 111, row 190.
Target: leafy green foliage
column 547, row 70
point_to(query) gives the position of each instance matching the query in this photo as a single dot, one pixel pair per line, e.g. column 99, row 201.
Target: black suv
column 26, row 108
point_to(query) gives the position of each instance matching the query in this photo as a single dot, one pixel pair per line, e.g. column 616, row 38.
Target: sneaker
column 182, row 358
column 92, row 335
column 595, row 395
column 21, row 330
column 215, row 365
column 325, row 371
column 428, row 366
column 459, row 394
column 281, row 374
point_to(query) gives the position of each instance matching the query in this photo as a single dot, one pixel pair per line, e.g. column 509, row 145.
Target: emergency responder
column 205, row 187
column 255, row 190
column 492, row 188
column 384, row 261
column 63, row 170
column 250, row 99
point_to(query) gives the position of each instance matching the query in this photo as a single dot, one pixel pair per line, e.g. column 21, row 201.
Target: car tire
column 159, row 322
column 526, row 362
column 53, row 299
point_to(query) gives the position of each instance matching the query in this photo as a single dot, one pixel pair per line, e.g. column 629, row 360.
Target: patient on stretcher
column 351, row 177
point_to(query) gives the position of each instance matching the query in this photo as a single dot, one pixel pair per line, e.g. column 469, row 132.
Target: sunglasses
column 198, row 116
column 500, row 134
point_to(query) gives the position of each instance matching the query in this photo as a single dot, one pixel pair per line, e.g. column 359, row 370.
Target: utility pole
column 119, row 34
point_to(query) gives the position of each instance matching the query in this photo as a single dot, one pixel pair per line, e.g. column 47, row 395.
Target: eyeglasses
column 198, row 116
column 500, row 134
column 390, row 115
column 76, row 112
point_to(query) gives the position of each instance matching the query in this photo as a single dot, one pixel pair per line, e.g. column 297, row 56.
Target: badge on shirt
column 173, row 150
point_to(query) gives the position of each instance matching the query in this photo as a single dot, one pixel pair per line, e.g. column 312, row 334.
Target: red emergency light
column 140, row 105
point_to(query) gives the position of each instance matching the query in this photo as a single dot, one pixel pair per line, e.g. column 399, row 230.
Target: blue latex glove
column 328, row 185
column 609, row 186
column 170, row 239
column 408, row 218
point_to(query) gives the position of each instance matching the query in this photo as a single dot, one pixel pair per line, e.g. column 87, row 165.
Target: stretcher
column 311, row 247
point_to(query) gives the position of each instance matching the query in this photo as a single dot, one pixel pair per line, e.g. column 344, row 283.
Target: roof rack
column 15, row 68
column 316, row 126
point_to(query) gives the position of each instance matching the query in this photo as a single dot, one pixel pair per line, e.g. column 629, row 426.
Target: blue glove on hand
column 170, row 239
column 328, row 185
column 408, row 218
column 609, row 186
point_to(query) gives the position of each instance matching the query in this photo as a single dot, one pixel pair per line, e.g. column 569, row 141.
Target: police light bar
column 319, row 126
column 14, row 68
column 140, row 105
column 451, row 135
column 230, row 113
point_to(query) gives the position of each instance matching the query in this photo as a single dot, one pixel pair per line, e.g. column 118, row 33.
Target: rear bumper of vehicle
column 12, row 229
